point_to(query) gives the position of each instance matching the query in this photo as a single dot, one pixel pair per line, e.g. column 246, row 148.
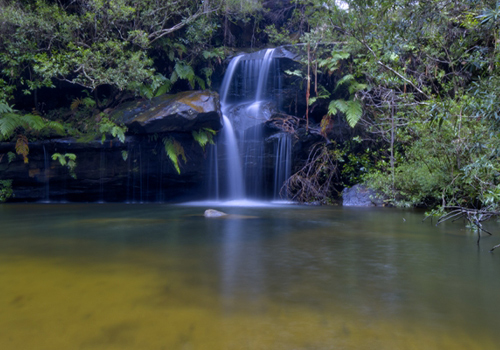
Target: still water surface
column 118, row 276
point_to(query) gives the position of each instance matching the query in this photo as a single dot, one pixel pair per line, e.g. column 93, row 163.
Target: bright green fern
column 174, row 149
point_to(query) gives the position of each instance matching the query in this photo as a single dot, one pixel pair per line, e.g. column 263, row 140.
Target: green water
column 118, row 276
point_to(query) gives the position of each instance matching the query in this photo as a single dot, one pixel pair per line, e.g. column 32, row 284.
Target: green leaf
column 164, row 88
column 352, row 110
column 296, row 73
column 345, row 79
column 11, row 156
column 8, row 123
column 174, row 149
column 5, row 108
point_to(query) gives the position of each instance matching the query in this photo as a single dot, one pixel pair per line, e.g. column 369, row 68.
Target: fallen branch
column 474, row 216
column 495, row 247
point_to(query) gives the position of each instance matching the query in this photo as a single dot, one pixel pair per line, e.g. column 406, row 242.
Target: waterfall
column 249, row 95
column 283, row 162
column 234, row 170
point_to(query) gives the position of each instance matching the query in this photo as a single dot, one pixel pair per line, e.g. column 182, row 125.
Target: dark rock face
column 135, row 171
column 185, row 111
column 361, row 196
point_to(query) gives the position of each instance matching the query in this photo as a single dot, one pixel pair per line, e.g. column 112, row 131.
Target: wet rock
column 212, row 213
column 182, row 112
column 135, row 171
column 361, row 196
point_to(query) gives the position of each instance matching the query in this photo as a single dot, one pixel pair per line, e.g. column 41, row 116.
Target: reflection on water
column 164, row 277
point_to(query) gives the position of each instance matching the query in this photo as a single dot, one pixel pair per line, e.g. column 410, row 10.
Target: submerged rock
column 361, row 196
column 182, row 112
column 212, row 213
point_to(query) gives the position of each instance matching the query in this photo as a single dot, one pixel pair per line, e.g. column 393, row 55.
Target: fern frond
column 352, row 109
column 146, row 91
column 11, row 156
column 5, row 108
column 332, row 109
column 345, row 79
column 75, row 103
column 174, row 149
column 32, row 121
column 57, row 127
column 353, row 112
column 164, row 88
column 184, row 71
column 8, row 123
column 355, row 87
column 326, row 125
column 174, row 77
column 200, row 82
column 22, row 147
column 340, row 104
column 89, row 102
column 60, row 158
column 204, row 136
column 207, row 71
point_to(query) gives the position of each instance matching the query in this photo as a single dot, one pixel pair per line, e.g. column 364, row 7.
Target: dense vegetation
column 417, row 80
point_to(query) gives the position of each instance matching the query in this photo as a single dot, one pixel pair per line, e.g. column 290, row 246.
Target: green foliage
column 11, row 121
column 5, row 190
column 94, row 43
column 11, row 157
column 157, row 86
column 490, row 15
column 204, row 136
column 68, row 160
column 106, row 126
column 183, row 71
column 174, row 149
column 352, row 110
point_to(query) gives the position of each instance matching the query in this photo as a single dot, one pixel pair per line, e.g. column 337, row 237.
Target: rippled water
column 117, row 276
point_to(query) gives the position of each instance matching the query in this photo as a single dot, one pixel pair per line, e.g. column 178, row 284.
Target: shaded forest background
column 416, row 81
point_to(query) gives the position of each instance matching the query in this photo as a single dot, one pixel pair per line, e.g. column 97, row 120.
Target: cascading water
column 249, row 95
column 283, row 162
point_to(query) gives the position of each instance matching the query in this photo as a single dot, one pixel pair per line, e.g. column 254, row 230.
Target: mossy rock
column 182, row 112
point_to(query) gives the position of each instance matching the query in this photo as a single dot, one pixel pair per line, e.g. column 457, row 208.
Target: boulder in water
column 212, row 213
column 361, row 196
